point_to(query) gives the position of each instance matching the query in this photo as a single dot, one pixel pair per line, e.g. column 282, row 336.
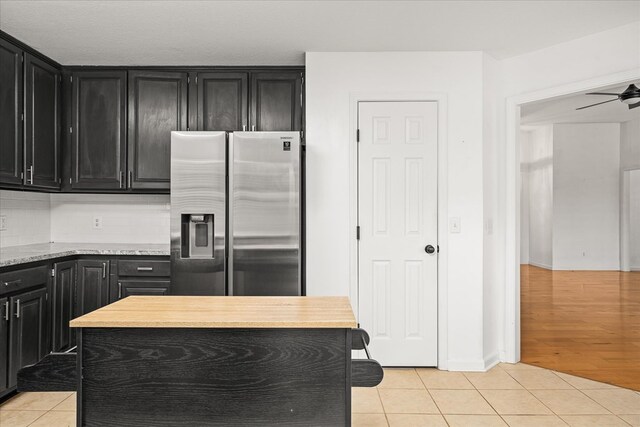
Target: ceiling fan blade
column 637, row 104
column 602, row 93
column 593, row 105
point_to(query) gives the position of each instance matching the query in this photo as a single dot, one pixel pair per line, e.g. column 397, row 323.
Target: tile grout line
column 432, row 398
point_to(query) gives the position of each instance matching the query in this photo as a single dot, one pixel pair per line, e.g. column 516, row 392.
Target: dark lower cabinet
column 276, row 101
column 93, row 285
column 222, row 101
column 10, row 115
column 98, row 130
column 4, row 343
column 63, row 304
column 28, row 330
column 42, row 123
column 157, row 106
column 142, row 287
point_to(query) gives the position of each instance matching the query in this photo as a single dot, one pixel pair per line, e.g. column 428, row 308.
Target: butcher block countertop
column 221, row 312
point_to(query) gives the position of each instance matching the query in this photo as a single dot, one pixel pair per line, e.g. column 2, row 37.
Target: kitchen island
column 182, row 360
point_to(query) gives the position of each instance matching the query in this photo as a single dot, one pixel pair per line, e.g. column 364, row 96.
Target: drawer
column 144, row 268
column 17, row 280
column 142, row 287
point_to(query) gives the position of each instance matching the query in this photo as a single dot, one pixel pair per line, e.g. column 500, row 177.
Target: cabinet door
column 10, row 115
column 276, row 101
column 28, row 331
column 42, row 123
column 98, row 151
column 63, row 303
column 157, row 106
column 4, row 343
column 93, row 285
column 222, row 101
column 142, row 287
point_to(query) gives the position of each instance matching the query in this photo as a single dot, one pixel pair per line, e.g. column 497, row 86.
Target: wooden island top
column 221, row 312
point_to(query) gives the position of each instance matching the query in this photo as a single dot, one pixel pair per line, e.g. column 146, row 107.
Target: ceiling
column 93, row 32
column 563, row 109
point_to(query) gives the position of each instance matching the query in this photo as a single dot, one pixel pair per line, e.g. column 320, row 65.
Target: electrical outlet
column 97, row 223
column 3, row 222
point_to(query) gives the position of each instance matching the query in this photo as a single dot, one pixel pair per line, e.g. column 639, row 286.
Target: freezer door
column 264, row 213
column 198, row 213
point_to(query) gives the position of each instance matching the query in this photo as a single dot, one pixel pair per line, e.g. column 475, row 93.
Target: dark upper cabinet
column 222, row 101
column 157, row 106
column 10, row 116
column 93, row 285
column 63, row 304
column 276, row 101
column 4, row 343
column 28, row 331
column 98, row 134
column 42, row 123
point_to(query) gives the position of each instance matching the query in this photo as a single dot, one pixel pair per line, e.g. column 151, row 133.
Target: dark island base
column 214, row 377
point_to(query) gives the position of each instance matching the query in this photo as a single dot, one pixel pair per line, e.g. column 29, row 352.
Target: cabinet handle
column 6, row 310
column 119, row 290
column 104, row 270
column 120, row 176
column 18, row 308
column 30, row 172
column 130, row 181
column 145, row 268
column 253, row 128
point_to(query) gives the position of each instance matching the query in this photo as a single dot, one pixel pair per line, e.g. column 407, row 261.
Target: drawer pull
column 145, row 268
column 13, row 283
column 18, row 308
column 104, row 270
column 119, row 290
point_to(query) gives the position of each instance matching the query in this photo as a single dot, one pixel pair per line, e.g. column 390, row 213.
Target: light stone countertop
column 13, row 255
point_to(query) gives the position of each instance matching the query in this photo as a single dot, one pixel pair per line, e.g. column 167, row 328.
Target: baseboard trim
column 491, row 361
column 539, row 264
column 478, row 365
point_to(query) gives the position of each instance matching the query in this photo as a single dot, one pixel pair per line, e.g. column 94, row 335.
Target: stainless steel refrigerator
column 235, row 213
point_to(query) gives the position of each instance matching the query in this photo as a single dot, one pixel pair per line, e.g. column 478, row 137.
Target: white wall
column 586, row 196
column 331, row 79
column 525, row 143
column 541, row 208
column 634, row 217
column 126, row 218
column 630, row 144
column 27, row 218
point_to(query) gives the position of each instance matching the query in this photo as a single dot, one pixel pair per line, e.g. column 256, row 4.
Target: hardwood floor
column 585, row 323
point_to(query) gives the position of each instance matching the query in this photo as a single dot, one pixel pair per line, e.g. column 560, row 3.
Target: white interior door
column 397, row 215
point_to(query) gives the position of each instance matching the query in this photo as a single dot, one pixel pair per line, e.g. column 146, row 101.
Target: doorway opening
column 579, row 293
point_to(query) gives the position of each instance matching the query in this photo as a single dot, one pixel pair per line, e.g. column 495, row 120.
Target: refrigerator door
column 198, row 213
column 264, row 213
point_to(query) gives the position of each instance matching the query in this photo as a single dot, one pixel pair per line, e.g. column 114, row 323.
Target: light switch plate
column 454, row 225
column 3, row 222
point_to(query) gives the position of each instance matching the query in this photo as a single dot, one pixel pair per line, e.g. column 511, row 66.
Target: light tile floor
column 508, row 395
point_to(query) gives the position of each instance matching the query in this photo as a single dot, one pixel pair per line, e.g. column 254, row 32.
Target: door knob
column 429, row 249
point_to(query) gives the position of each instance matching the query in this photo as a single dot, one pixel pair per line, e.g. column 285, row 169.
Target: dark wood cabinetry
column 10, row 115
column 93, row 285
column 222, row 101
column 42, row 123
column 142, row 287
column 28, row 330
column 276, row 101
column 98, row 130
column 63, row 305
column 157, row 106
column 4, row 343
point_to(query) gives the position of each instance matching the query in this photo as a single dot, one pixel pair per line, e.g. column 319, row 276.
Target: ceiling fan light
column 631, row 100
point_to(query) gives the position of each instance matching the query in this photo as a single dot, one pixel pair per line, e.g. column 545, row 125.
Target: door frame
column 510, row 351
column 441, row 99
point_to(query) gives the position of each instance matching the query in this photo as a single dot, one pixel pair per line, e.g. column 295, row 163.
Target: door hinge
column 70, row 181
column 53, row 272
column 357, row 135
column 22, row 117
column 196, row 80
column 71, row 79
column 358, row 232
column 188, row 79
column 70, row 129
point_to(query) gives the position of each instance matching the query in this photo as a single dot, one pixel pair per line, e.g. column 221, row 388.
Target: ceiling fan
column 630, row 96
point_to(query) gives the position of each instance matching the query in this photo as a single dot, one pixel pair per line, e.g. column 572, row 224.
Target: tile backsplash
column 124, row 218
column 27, row 218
